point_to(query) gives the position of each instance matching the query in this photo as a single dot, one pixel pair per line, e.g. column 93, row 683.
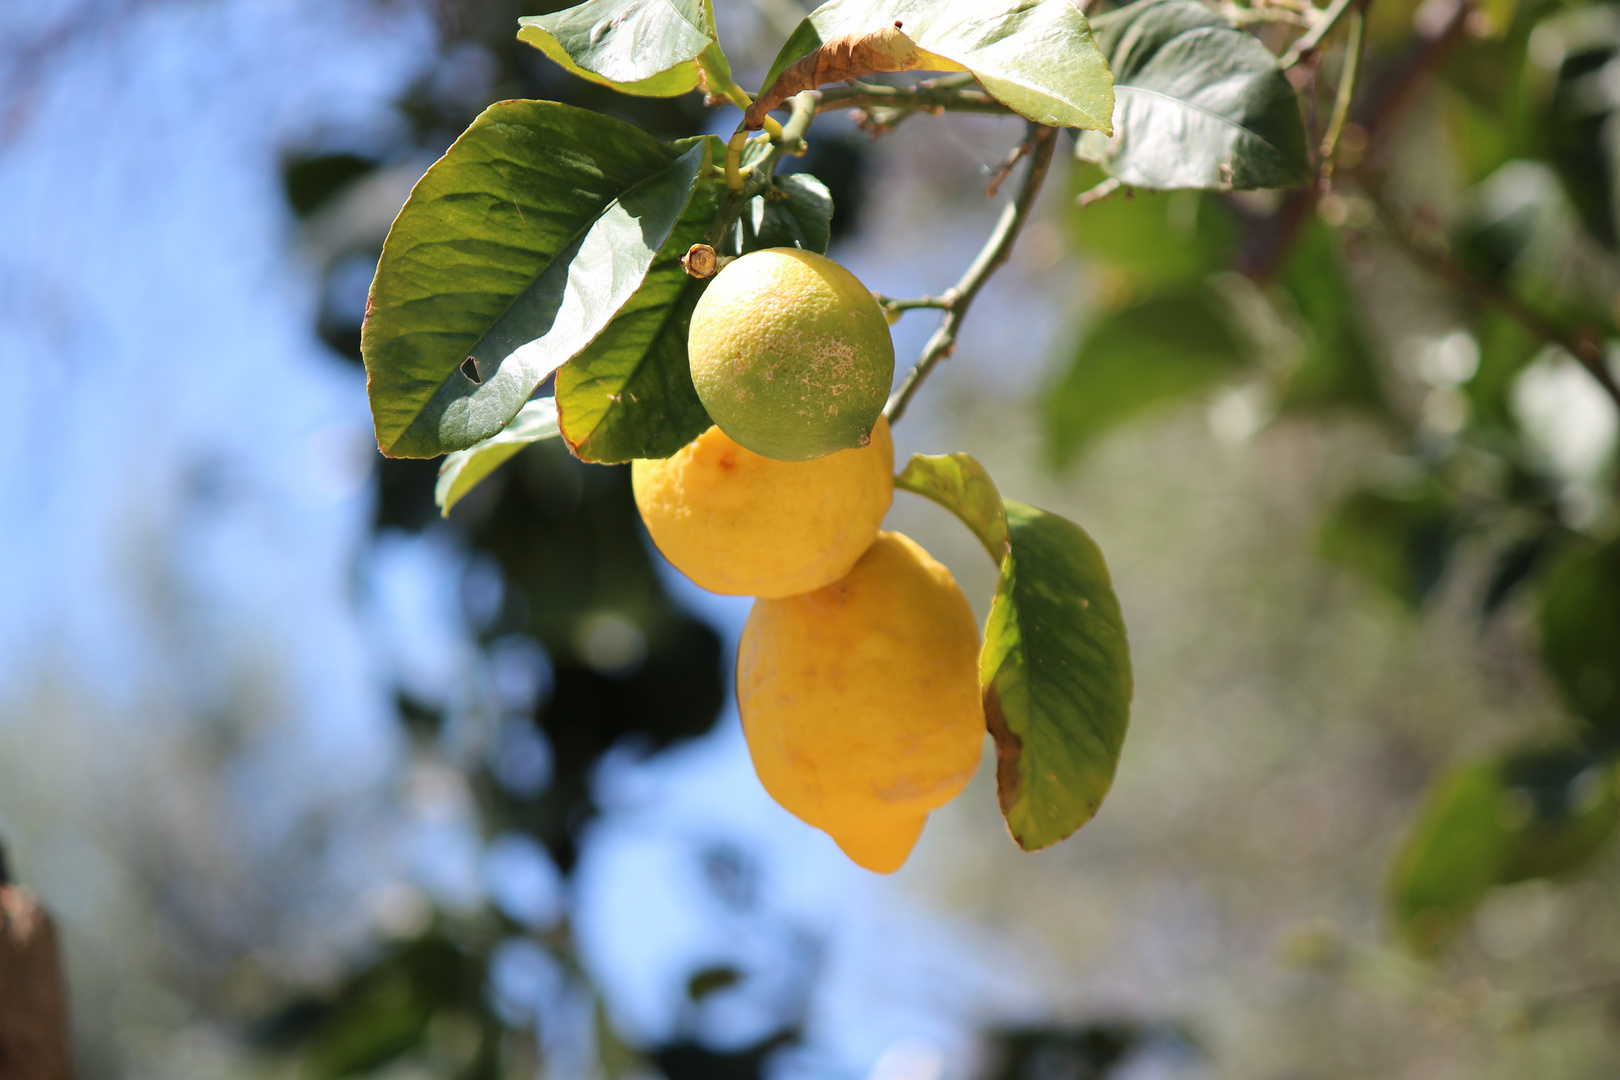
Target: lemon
column 860, row 700
column 741, row 523
column 791, row 354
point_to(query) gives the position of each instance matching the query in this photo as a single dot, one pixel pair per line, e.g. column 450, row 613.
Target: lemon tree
column 562, row 274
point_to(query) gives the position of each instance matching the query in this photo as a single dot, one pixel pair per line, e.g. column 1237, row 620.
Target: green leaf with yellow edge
column 463, row 470
column 1055, row 669
column 645, row 47
column 1037, row 57
column 514, row 251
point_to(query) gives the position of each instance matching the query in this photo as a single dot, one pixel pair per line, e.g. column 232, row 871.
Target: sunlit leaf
column 462, row 470
column 1198, row 103
column 1164, row 347
column 1055, row 668
column 646, row 47
column 629, row 394
column 1035, row 56
column 514, row 251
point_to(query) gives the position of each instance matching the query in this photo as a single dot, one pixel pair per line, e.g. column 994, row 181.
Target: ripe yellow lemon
column 741, row 523
column 791, row 354
column 860, row 700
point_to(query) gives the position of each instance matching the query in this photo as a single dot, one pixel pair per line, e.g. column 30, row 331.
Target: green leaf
column 1535, row 814
column 1400, row 540
column 1579, row 616
column 1037, row 57
column 1453, row 854
column 514, row 251
column 646, row 47
column 463, row 470
column 1055, row 669
column 801, row 219
column 630, row 393
column 1199, row 103
column 961, row 485
column 1338, row 370
column 1155, row 238
column 1157, row 349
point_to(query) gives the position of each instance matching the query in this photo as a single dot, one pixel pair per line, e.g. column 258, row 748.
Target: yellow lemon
column 860, row 700
column 791, row 354
column 741, row 523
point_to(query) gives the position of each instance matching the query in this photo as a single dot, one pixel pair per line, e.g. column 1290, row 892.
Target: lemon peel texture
column 860, row 700
column 791, row 354
column 741, row 523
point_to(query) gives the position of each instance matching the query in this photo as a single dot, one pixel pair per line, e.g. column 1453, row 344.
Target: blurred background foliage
column 1380, row 802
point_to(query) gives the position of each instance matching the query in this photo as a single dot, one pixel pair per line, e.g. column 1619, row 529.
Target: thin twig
column 1347, row 93
column 1098, row 193
column 1005, row 169
column 896, row 305
column 1308, row 43
column 760, row 176
column 1586, row 349
column 1043, row 141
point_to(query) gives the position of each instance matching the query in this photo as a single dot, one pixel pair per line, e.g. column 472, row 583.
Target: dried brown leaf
column 842, row 59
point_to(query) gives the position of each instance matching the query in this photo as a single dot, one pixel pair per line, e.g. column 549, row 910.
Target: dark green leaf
column 802, row 219
column 1199, row 103
column 630, row 393
column 1452, row 856
column 513, row 252
column 647, row 47
column 1035, row 56
column 1338, row 370
column 1399, row 540
column 464, row 469
column 1056, row 672
column 1056, row 668
column 1563, row 809
column 1580, row 632
column 1537, row 814
column 1155, row 350
column 961, row 485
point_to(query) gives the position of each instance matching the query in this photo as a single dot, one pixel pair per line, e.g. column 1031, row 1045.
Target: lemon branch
column 953, row 93
column 757, row 178
column 1042, row 140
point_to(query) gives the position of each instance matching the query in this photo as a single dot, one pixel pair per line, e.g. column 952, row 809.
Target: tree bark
column 33, row 1011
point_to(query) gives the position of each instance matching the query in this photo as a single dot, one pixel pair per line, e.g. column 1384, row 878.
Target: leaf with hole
column 1198, row 103
column 514, row 251
column 463, row 470
column 1158, row 349
column 1055, row 669
column 645, row 47
column 1037, row 57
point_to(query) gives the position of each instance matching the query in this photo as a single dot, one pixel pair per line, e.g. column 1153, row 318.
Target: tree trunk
column 33, row 1012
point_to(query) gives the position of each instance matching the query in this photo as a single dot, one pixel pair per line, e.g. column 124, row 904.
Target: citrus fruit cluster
column 857, row 671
